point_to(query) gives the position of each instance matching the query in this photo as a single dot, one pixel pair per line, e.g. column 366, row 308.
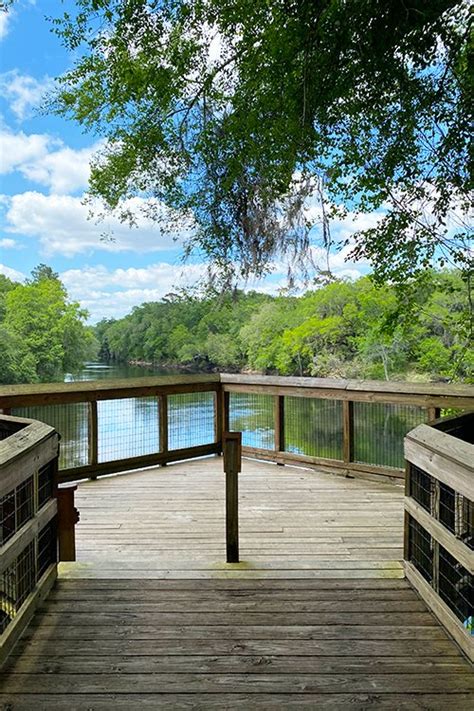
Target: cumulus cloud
column 4, row 23
column 8, row 244
column 45, row 160
column 61, row 224
column 113, row 293
column 23, row 93
column 12, row 274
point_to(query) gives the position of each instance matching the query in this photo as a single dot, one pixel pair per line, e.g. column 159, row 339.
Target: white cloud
column 23, row 92
column 20, row 149
column 5, row 18
column 8, row 244
column 45, row 160
column 12, row 274
column 63, row 171
column 113, row 293
column 61, row 224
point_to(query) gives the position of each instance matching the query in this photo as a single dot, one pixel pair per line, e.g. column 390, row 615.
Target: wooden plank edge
column 149, row 460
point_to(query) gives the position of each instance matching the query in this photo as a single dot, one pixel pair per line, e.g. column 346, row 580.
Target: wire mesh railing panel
column 47, row 547
column 447, row 507
column 191, row 418
column 127, row 427
column 71, row 421
column 420, row 487
column 420, row 549
column 379, row 429
column 253, row 415
column 16, row 509
column 314, row 427
column 467, row 522
column 46, row 476
column 456, row 588
column 17, row 582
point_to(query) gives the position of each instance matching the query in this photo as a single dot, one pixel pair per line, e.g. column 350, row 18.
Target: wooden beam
column 348, row 430
column 232, row 446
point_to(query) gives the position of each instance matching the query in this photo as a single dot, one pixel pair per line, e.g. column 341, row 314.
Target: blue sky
column 43, row 176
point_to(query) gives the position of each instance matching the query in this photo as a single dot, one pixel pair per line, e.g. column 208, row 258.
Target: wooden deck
column 316, row 616
column 298, row 523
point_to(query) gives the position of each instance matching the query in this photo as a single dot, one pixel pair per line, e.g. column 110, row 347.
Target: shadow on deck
column 316, row 616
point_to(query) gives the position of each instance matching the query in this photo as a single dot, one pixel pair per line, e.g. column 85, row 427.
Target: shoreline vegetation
column 344, row 329
column 341, row 329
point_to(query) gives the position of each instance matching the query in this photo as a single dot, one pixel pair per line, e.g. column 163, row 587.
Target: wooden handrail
column 347, row 394
column 439, row 524
column 28, row 468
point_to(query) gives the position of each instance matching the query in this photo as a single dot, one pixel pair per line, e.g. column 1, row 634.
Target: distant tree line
column 352, row 329
column 42, row 333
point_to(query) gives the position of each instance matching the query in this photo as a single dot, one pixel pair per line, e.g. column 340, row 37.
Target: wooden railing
column 28, row 510
column 439, row 522
column 119, row 425
column 122, row 425
column 346, row 425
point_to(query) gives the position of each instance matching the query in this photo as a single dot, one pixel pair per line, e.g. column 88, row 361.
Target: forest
column 43, row 334
column 344, row 329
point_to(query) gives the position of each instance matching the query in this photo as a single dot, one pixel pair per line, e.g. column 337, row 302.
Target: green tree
column 51, row 328
column 234, row 112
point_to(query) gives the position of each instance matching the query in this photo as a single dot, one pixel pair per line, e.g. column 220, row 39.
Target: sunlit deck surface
column 317, row 615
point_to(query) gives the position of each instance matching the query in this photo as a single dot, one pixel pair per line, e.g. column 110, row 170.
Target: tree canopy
column 238, row 114
column 339, row 330
column 42, row 333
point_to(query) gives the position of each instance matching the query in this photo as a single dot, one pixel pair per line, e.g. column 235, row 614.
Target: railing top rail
column 423, row 394
column 53, row 393
column 447, row 458
column 381, row 386
column 18, row 452
column 29, row 434
column 426, row 394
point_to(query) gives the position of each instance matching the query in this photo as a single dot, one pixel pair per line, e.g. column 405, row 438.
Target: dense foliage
column 239, row 115
column 345, row 329
column 42, row 333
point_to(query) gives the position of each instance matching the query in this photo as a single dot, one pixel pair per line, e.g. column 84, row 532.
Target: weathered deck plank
column 152, row 618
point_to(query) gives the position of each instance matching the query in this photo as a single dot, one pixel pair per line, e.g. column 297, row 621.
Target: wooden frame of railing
column 28, row 510
column 92, row 393
column 439, row 522
column 348, row 395
column 431, row 397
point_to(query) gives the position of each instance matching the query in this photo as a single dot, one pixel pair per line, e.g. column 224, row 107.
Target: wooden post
column 218, row 418
column 163, row 418
column 93, row 435
column 232, row 446
column 433, row 413
column 279, row 422
column 348, row 431
column 68, row 516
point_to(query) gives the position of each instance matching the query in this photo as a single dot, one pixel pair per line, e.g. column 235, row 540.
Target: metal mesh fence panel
column 379, row 430
column 253, row 415
column 45, row 484
column 127, row 427
column 47, row 547
column 17, row 581
column 71, row 421
column 314, row 427
column 420, row 487
column 16, row 508
column 190, row 420
column 420, row 549
column 456, row 588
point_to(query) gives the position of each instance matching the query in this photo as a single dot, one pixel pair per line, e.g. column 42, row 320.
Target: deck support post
column 232, row 446
column 68, row 516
